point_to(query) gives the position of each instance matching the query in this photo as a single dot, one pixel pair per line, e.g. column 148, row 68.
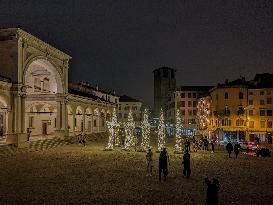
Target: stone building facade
column 34, row 97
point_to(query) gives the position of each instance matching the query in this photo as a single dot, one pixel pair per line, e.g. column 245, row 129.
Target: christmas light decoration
column 113, row 128
column 203, row 112
column 178, row 125
column 129, row 131
column 161, row 132
column 146, row 127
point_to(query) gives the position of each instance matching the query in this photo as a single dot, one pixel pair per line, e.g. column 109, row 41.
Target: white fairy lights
column 146, row 127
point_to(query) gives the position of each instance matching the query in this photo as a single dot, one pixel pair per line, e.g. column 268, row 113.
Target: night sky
column 117, row 44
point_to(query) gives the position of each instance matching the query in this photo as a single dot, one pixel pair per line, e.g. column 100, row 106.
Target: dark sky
column 117, row 44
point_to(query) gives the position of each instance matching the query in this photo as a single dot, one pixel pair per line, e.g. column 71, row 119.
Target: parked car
column 249, row 146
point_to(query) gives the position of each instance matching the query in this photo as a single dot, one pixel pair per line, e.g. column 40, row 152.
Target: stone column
column 83, row 121
column 23, row 113
column 59, row 115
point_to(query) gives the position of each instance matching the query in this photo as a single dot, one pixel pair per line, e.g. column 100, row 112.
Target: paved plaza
column 73, row 174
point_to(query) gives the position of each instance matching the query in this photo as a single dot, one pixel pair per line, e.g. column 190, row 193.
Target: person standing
column 206, row 144
column 229, row 148
column 187, row 145
column 149, row 158
column 212, row 191
column 187, row 164
column 237, row 149
column 163, row 163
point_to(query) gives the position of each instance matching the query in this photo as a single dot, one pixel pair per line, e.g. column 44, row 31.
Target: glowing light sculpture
column 161, row 132
column 146, row 127
column 178, row 126
column 129, row 132
column 113, row 128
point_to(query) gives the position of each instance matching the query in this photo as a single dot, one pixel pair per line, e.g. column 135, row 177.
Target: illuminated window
column 269, row 124
column 262, row 124
column 251, row 124
column 250, row 112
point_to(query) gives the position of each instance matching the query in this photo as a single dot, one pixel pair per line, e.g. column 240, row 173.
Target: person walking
column 206, row 144
column 237, row 148
column 163, row 163
column 229, row 148
column 212, row 191
column 149, row 158
column 187, row 164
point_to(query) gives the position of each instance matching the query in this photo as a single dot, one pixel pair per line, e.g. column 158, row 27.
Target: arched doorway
column 45, row 106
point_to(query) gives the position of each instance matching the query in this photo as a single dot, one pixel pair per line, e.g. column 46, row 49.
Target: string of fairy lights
column 161, row 132
column 129, row 131
column 203, row 112
column 178, row 129
column 113, row 128
column 146, row 127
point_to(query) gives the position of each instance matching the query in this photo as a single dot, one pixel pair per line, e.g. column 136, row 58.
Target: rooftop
column 125, row 98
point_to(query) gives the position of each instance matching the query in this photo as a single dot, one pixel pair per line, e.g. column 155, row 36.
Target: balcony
column 221, row 113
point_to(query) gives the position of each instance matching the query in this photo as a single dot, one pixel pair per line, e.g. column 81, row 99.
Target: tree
column 146, row 127
column 129, row 132
column 113, row 127
column 161, row 132
column 178, row 125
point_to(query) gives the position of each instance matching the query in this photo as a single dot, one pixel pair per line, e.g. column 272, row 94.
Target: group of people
column 164, row 161
column 213, row 186
column 230, row 148
column 202, row 144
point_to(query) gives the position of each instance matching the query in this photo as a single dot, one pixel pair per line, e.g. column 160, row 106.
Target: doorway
column 44, row 128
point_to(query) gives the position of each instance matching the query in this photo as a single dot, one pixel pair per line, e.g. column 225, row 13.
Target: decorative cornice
column 30, row 39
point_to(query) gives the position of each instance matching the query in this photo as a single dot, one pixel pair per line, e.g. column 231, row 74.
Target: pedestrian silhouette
column 212, row 191
column 187, row 164
column 163, row 163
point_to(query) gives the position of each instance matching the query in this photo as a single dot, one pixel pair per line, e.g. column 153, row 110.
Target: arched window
column 46, row 86
column 241, row 95
column 226, row 95
column 37, row 85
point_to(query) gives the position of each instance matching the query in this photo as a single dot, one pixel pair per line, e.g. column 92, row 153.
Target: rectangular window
column 262, row 124
column 190, row 112
column 75, row 122
column 182, row 103
column 194, row 112
column 95, row 123
column 182, row 95
column 31, row 121
column 262, row 112
column 250, row 112
column 261, row 92
column 189, row 103
column 251, row 124
column 261, row 102
column 269, row 124
column 269, row 112
column 55, row 122
column 250, row 102
column 250, row 93
column 194, row 95
column 189, row 95
column 268, row 92
column 269, row 100
column 194, row 104
column 183, row 112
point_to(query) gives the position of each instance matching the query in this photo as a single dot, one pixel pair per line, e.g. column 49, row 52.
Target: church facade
column 35, row 99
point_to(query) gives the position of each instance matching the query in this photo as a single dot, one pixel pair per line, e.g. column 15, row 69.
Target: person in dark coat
column 212, row 191
column 187, row 164
column 229, row 148
column 163, row 163
column 237, row 149
column 206, row 144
